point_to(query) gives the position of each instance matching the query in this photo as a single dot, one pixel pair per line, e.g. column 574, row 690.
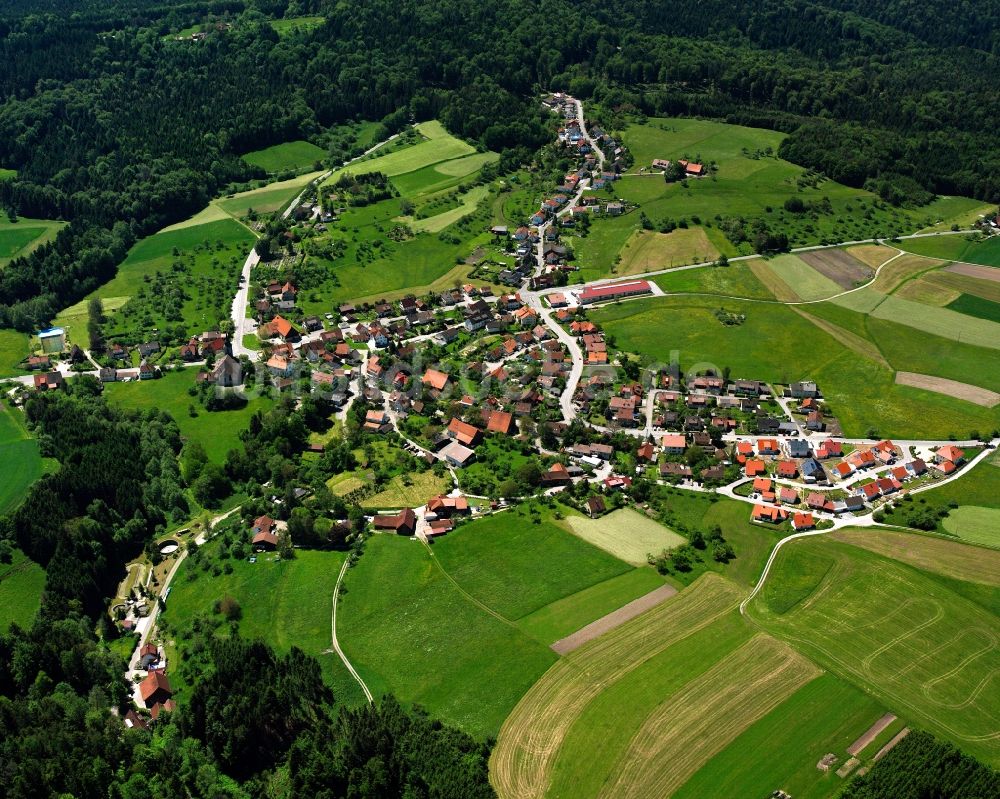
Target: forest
column 115, row 126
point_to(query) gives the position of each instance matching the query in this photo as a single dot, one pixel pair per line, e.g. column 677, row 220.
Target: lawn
column 860, row 391
column 22, row 237
column 802, row 278
column 569, row 614
column 21, row 584
column 735, row 280
column 915, row 644
column 626, row 534
column 410, row 631
column 782, row 748
column 286, row 603
column 957, row 248
column 515, row 566
column 288, row 155
column 20, row 461
column 408, row 491
column 218, row 431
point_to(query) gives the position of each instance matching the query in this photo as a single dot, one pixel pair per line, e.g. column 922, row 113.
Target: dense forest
column 920, row 767
column 115, row 125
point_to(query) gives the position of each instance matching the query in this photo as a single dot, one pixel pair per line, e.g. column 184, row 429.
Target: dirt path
column 871, row 734
column 899, row 736
column 333, row 635
column 950, row 388
column 614, row 619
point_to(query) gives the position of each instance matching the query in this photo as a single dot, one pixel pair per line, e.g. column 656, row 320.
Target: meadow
column 736, row 280
column 218, row 431
column 285, row 27
column 284, row 602
column 957, row 248
column 979, row 307
column 21, row 462
column 408, row 492
column 626, row 534
column 913, row 642
column 285, row 156
column 14, row 348
column 779, row 345
column 648, row 251
column 21, row 584
column 20, row 238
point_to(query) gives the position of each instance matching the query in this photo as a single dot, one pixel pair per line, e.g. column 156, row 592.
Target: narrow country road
column 333, row 634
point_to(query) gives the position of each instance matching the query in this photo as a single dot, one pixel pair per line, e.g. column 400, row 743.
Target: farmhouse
column 464, row 433
column 633, row 288
column 457, row 454
column 155, row 688
column 264, row 536
column 402, row 523
column 444, row 506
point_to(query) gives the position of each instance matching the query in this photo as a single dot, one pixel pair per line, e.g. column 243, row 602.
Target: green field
column 218, row 431
column 516, row 566
column 469, row 203
column 286, row 603
column 802, row 278
column 14, row 348
column 975, row 524
column 21, row 584
column 397, row 494
column 286, row 156
column 19, row 238
column 626, row 534
column 735, row 280
column 285, row 27
column 7, row 174
column 916, row 644
column 20, row 461
column 957, row 248
column 778, row 345
column 976, row 306
column 409, row 630
column 266, row 199
column 646, row 251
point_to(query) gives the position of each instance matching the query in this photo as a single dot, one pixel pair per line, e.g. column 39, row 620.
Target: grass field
column 14, row 348
column 266, row 199
column 939, row 321
column 22, row 237
column 288, row 155
column 975, row 524
column 409, row 630
column 20, row 461
column 626, row 534
column 218, row 431
column 860, row 391
column 920, row 647
column 805, row 281
column 286, row 603
column 646, row 251
column 515, row 566
column 7, row 174
column 423, row 486
column 435, row 224
column 735, row 280
column 284, row 27
column 976, row 306
column 957, row 248
column 21, row 584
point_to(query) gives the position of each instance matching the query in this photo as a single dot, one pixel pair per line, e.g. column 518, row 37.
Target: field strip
column 975, row 270
column 862, row 346
column 871, row 734
column 708, row 713
column 773, row 282
column 614, row 619
column 530, row 738
column 950, row 388
column 899, row 736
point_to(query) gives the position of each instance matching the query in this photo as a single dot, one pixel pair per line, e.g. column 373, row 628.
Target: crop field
column 972, row 305
column 626, row 534
column 562, row 732
column 288, row 155
column 408, row 629
column 950, row 388
column 515, row 566
column 437, row 145
column 924, row 290
column 284, row 602
column 939, row 321
column 861, row 392
column 443, row 175
column 22, row 237
column 735, row 280
column 266, row 199
column 871, row 255
column 957, row 248
column 919, row 646
column 20, row 461
column 839, row 266
column 808, row 283
column 646, row 251
column 21, row 584
column 569, row 614
column 965, row 284
column 218, row 431
column 825, row 715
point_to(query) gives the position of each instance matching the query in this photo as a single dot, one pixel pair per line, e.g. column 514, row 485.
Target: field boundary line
column 333, row 634
column 465, row 593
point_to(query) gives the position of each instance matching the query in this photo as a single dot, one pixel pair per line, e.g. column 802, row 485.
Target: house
column 39, row 362
column 443, row 506
column 769, row 514
column 787, row 469
column 916, row 467
column 134, row 721
column 798, row 448
column 108, row 374
column 849, row 504
column 595, row 506
column 812, row 471
column 280, row 367
column 714, row 474
column 458, row 454
column 843, row 470
column 949, row 453
column 787, row 496
column 464, row 433
column 768, row 446
column 190, row 351
column 48, row 381
column 669, row 469
column 762, row 484
column 817, row 501
column 870, row 491
column 829, row 449
column 556, row 475
column 645, row 452
column 147, row 371
column 402, row 523
column 802, row 521
column 617, row 482
column 755, row 467
column 434, row 380
column 500, row 422
column 227, row 372
column 264, row 535
column 803, row 389
column 149, row 348
column 377, row 421
column 155, row 689
column 281, row 328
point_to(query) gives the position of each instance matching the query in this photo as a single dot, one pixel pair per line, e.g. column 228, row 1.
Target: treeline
column 919, row 767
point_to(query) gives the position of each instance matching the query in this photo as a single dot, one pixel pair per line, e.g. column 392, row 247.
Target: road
column 333, row 635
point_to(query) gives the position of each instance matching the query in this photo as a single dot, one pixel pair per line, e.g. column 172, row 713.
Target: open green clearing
column 22, row 237
column 218, row 431
column 916, row 644
column 435, row 224
column 778, row 345
column 626, row 534
column 976, row 306
column 516, row 566
column 409, row 630
column 266, row 199
column 569, row 614
column 735, row 280
column 285, row 27
column 14, row 348
column 285, row 603
column 7, row 174
column 975, row 524
column 21, row 584
column 20, row 461
column 957, row 248
column 409, row 491
column 288, row 155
